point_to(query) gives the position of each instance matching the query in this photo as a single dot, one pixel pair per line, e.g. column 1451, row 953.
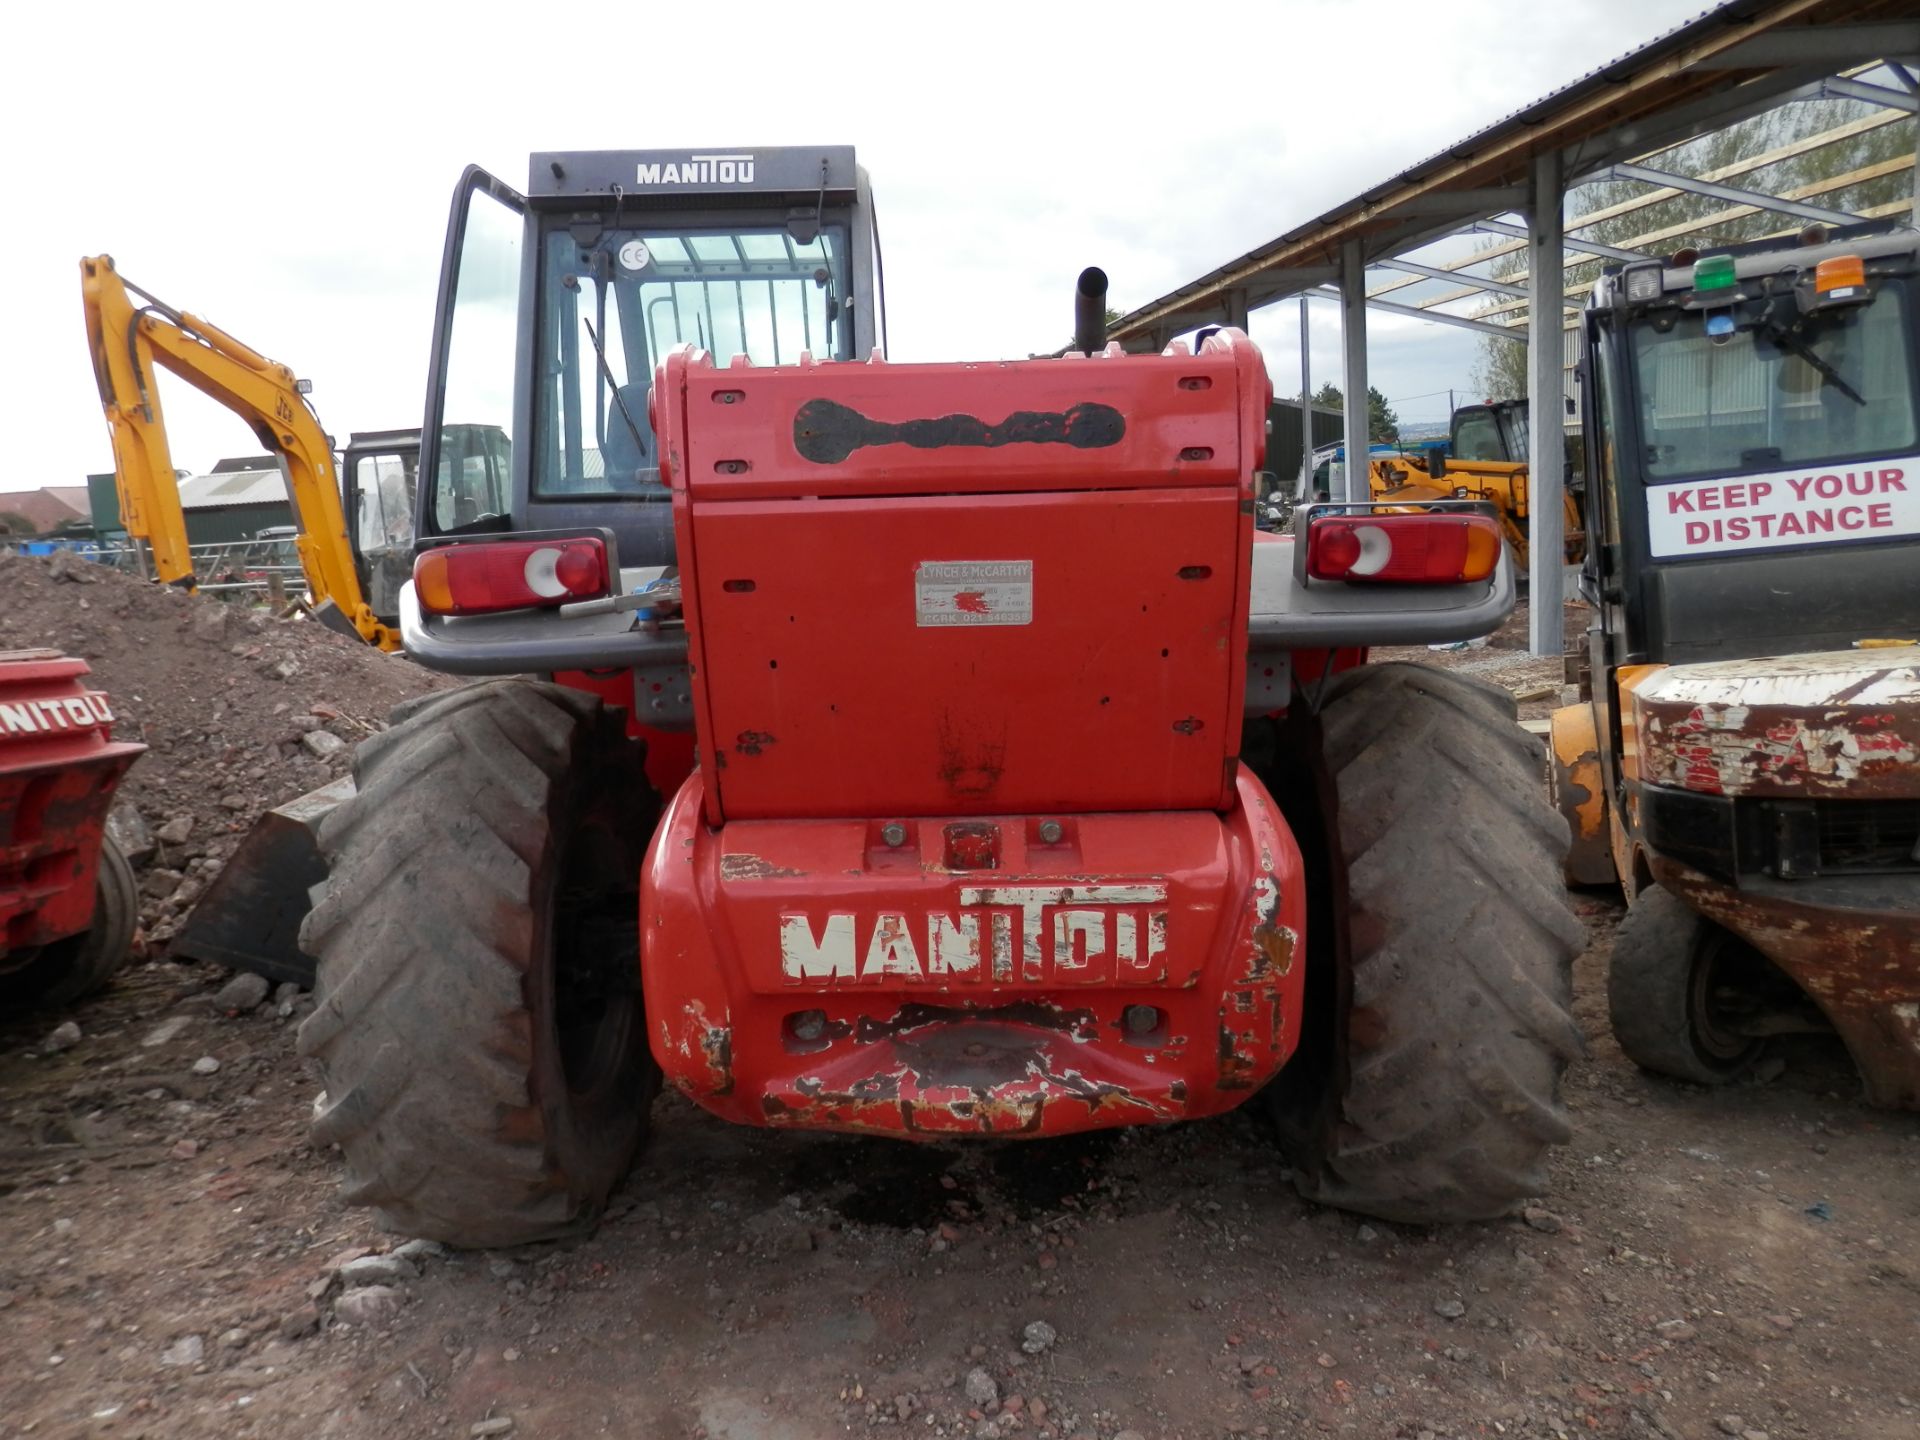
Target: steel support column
column 1353, row 377
column 1305, row 487
column 1546, row 405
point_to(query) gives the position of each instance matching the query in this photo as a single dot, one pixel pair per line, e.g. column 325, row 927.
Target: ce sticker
column 634, row 256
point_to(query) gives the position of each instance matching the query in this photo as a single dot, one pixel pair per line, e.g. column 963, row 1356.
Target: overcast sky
column 285, row 172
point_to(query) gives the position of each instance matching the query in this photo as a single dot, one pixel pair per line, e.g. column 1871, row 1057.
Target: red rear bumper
column 1139, row 967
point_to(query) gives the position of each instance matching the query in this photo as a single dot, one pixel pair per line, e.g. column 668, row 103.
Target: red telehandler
column 922, row 750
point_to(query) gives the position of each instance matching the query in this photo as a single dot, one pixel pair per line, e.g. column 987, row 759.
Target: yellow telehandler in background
column 1486, row 459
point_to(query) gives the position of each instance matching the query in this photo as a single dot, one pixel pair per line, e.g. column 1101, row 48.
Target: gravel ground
column 240, row 711
column 175, row 1260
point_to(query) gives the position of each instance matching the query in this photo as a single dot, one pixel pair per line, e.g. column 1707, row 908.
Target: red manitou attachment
column 971, row 847
column 58, row 768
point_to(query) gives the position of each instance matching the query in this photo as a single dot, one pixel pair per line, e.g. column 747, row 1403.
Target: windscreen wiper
column 1789, row 341
column 606, row 373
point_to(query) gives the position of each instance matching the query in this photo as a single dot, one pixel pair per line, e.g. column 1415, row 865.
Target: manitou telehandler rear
column 1748, row 764
column 1032, row 794
column 68, row 902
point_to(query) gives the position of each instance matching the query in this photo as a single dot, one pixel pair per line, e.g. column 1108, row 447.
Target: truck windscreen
column 1759, row 399
column 611, row 309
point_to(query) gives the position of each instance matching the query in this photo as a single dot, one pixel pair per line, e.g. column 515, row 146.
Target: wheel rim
column 1714, row 1014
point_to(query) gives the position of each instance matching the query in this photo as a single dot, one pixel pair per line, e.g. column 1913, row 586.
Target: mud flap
column 249, row 917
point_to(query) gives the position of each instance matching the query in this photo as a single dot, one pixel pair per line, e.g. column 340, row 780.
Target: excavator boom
column 127, row 341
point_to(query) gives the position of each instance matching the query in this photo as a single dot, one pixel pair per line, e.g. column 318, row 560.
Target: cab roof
column 716, row 170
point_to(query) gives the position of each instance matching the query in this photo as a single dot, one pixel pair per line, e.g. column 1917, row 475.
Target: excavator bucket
column 336, row 619
column 249, row 918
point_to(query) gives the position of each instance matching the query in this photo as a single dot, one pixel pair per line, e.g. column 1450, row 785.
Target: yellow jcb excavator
column 127, row 340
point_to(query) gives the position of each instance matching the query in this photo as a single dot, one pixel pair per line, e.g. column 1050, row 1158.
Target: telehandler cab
column 1032, row 794
column 1747, row 762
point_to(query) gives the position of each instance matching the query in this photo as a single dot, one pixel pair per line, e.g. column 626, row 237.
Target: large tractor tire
column 478, row 1019
column 1445, row 893
column 62, row 972
column 1674, row 992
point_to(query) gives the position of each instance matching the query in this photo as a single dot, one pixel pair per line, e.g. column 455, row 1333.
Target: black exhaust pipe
column 1090, row 311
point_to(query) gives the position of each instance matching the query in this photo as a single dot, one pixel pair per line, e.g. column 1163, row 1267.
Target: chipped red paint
column 903, row 1048
column 58, row 769
column 1844, row 724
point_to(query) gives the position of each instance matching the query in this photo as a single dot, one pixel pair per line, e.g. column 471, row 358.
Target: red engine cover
column 810, row 973
column 58, row 770
column 966, row 589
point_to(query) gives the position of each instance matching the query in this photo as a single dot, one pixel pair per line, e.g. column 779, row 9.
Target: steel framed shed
column 1510, row 182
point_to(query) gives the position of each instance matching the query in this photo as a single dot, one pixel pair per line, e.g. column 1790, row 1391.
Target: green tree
column 1382, row 424
column 1501, row 371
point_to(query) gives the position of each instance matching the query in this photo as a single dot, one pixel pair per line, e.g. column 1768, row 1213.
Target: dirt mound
column 240, row 711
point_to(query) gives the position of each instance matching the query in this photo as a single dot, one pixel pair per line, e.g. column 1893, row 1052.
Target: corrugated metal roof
column 233, row 487
column 1632, row 90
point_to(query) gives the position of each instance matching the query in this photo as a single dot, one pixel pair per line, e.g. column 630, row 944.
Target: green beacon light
column 1714, row 272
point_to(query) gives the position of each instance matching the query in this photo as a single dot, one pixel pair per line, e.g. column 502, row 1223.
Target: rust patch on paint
column 754, row 867
column 1853, row 949
column 752, row 742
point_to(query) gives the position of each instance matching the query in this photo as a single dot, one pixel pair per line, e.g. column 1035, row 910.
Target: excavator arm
column 127, row 342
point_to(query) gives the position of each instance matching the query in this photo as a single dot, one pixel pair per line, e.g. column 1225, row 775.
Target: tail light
column 509, row 575
column 1404, row 549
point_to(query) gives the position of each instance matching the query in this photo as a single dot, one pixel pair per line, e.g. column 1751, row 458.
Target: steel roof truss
column 1732, row 194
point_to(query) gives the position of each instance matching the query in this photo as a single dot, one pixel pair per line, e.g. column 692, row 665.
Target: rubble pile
column 241, row 711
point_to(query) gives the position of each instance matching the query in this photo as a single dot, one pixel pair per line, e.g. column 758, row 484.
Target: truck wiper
column 1789, row 341
column 606, row 373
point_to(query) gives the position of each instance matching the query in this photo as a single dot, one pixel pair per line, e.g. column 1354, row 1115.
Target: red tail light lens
column 509, row 575
column 1403, row 549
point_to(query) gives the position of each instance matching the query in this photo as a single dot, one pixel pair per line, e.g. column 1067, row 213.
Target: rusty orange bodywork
column 1840, row 724
column 1580, row 794
column 1852, row 944
column 1836, row 729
